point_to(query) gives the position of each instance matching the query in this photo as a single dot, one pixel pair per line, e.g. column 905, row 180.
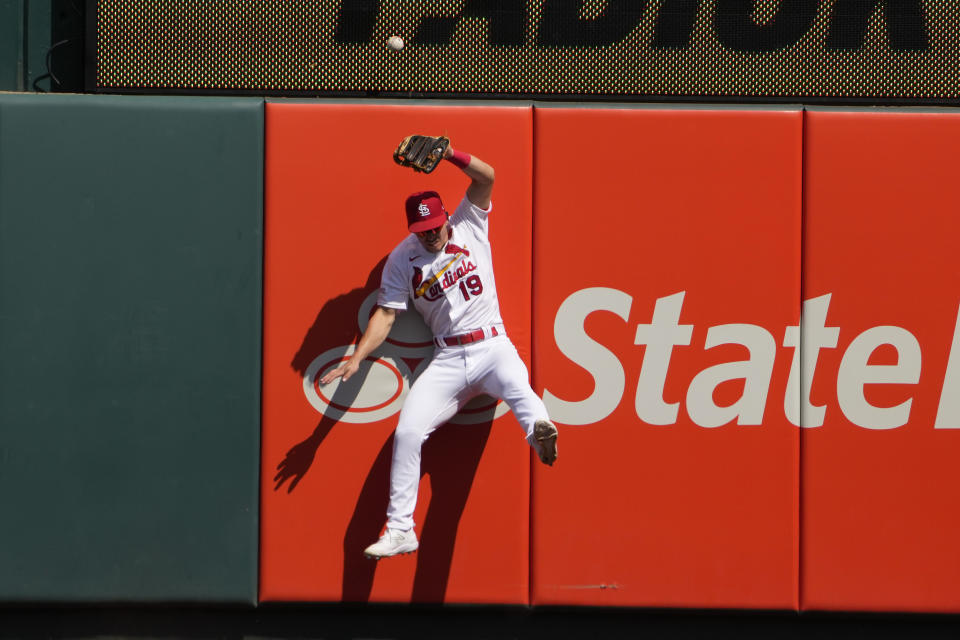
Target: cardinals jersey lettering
column 454, row 289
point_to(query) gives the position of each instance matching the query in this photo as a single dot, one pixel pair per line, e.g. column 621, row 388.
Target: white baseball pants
column 453, row 377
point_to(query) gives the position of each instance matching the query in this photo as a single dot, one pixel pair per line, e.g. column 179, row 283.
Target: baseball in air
column 395, row 43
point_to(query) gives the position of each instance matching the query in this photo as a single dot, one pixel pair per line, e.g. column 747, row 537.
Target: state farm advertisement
column 666, row 317
column 664, row 334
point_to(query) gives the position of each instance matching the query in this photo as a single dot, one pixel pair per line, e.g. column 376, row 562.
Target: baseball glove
column 422, row 153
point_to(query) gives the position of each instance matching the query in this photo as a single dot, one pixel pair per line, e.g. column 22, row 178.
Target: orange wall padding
column 880, row 490
column 652, row 266
column 699, row 210
column 334, row 210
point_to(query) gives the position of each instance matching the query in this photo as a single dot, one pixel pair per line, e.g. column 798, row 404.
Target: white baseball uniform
column 455, row 292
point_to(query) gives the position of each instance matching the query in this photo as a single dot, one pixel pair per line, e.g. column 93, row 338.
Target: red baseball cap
column 425, row 211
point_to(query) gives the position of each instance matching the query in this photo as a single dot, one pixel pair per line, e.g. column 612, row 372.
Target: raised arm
column 480, row 173
column 377, row 331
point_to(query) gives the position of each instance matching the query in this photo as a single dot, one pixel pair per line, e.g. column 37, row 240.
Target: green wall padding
column 130, row 317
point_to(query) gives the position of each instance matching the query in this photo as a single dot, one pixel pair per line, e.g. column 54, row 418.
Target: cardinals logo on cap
column 424, row 211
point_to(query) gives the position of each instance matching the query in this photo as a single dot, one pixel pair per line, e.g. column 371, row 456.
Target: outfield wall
column 130, row 316
column 716, row 452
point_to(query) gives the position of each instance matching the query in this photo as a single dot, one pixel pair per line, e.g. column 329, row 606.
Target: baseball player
column 444, row 267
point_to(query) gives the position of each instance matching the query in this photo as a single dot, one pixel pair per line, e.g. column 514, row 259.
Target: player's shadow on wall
column 450, row 458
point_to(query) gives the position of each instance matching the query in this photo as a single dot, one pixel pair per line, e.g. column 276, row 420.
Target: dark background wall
column 461, row 623
column 42, row 45
column 11, row 45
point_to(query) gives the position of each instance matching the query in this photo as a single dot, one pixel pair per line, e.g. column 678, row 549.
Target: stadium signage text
column 561, row 24
column 664, row 332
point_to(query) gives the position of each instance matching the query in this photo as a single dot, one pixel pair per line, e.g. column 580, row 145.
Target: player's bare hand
column 345, row 371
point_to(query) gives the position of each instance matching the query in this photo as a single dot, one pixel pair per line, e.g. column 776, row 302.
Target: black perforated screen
column 626, row 49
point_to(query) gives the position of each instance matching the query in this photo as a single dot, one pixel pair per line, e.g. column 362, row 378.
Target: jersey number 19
column 471, row 286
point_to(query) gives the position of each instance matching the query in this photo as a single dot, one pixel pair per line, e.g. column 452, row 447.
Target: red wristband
column 459, row 159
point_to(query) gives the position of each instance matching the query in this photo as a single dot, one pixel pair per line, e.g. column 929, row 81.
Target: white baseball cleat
column 545, row 435
column 392, row 542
